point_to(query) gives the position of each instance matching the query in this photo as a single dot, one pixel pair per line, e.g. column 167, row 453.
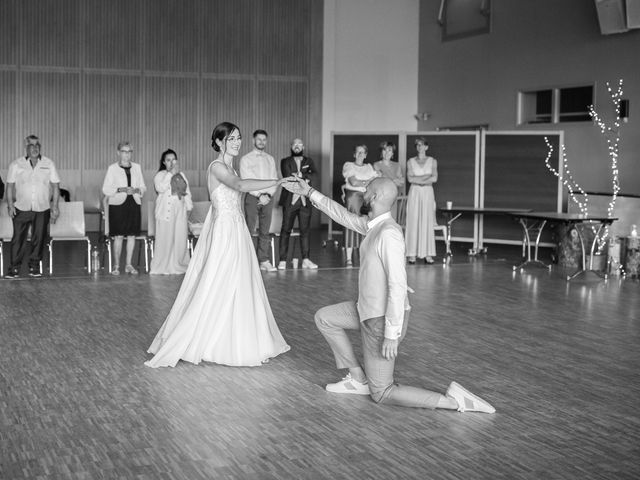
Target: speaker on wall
column 611, row 16
column 633, row 13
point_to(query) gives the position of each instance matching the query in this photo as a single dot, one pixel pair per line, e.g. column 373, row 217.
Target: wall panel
column 228, row 36
column 171, row 121
column 279, row 107
column 286, row 30
column 111, row 106
column 50, row 110
column 172, row 32
column 8, row 32
column 112, row 34
column 8, row 112
column 50, row 32
column 226, row 100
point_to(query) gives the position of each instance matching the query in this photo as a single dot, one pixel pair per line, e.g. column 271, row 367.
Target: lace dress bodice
column 226, row 202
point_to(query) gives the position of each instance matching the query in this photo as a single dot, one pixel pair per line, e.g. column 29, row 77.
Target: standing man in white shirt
column 33, row 192
column 258, row 205
column 382, row 310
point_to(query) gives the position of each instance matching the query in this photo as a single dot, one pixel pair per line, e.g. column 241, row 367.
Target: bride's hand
column 285, row 179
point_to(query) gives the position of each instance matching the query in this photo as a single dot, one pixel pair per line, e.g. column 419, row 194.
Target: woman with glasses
column 124, row 187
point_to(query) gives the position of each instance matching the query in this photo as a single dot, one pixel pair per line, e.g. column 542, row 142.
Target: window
column 555, row 105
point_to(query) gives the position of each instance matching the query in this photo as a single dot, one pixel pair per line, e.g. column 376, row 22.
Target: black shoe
column 13, row 274
column 34, row 272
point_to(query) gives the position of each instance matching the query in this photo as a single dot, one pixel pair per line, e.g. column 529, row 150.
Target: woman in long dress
column 422, row 173
column 222, row 313
column 173, row 204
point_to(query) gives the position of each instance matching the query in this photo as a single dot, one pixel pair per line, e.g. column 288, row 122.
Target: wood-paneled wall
column 85, row 74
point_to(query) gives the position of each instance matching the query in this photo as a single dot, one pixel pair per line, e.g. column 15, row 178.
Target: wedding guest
column 357, row 175
column 33, row 193
column 294, row 206
column 422, row 173
column 124, row 187
column 390, row 168
column 258, row 205
column 173, row 204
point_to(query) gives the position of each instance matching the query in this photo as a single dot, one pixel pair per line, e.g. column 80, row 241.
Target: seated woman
column 171, row 253
column 357, row 175
column 124, row 187
column 390, row 169
column 422, row 173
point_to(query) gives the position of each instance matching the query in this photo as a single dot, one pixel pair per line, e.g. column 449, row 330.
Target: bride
column 222, row 313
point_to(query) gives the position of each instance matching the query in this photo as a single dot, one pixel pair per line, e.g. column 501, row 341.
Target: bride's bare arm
column 221, row 174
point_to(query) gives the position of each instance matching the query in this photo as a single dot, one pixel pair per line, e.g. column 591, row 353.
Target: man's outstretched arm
column 334, row 210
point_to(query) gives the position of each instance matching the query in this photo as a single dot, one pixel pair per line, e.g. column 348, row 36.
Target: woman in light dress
column 422, row 173
column 357, row 176
column 222, row 313
column 390, row 169
column 173, row 204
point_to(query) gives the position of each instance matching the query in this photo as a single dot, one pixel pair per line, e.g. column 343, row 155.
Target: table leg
column 584, row 268
column 536, row 227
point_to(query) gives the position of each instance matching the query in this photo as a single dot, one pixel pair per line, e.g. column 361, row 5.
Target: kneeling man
column 382, row 311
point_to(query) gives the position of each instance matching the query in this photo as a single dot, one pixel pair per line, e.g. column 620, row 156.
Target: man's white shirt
column 259, row 165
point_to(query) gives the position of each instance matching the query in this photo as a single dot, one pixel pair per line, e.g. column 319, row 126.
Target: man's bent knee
column 379, row 395
column 320, row 318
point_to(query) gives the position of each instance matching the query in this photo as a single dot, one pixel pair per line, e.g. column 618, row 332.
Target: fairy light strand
column 612, row 136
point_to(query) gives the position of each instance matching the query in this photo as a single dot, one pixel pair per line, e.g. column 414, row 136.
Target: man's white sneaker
column 467, row 401
column 306, row 263
column 267, row 267
column 348, row 385
column 282, row 265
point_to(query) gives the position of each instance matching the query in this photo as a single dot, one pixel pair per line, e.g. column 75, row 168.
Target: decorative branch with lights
column 612, row 135
column 567, row 179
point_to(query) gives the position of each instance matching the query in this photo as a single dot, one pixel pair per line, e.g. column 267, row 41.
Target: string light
column 612, row 136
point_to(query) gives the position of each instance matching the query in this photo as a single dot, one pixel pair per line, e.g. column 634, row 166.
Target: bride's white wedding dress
column 222, row 313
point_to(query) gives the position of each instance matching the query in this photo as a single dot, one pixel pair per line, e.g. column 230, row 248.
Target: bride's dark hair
column 222, row 131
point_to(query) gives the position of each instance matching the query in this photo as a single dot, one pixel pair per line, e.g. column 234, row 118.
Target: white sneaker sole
column 333, row 389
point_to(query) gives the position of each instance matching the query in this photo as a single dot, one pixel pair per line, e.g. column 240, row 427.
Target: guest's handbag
column 178, row 185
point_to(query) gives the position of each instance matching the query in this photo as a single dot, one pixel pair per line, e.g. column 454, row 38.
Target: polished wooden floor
column 559, row 361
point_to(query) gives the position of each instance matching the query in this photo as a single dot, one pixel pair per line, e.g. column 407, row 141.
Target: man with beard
column 296, row 206
column 382, row 311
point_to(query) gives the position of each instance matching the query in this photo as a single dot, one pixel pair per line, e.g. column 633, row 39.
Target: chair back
column 144, row 218
column 90, row 196
column 6, row 224
column 105, row 215
column 401, row 210
column 70, row 223
column 151, row 218
column 276, row 220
